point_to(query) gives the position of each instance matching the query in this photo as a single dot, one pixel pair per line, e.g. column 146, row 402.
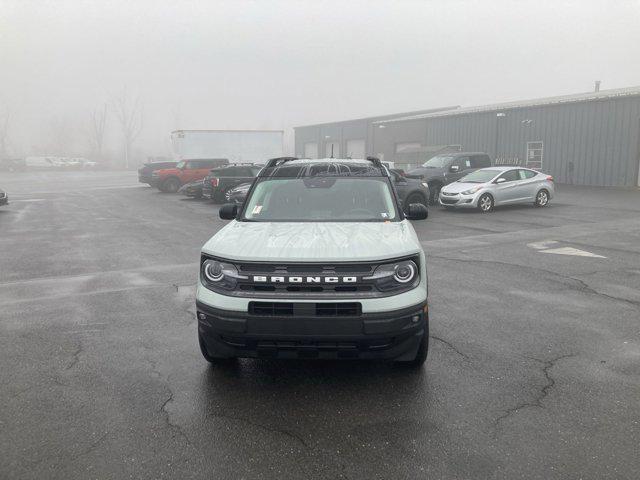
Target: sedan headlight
column 393, row 276
column 471, row 190
column 216, row 275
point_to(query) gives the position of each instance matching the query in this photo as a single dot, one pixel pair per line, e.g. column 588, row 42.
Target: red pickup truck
column 171, row 179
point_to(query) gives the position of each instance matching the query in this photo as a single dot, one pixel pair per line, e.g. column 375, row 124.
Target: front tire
column 416, row 198
column 542, row 199
column 485, row 203
column 170, row 185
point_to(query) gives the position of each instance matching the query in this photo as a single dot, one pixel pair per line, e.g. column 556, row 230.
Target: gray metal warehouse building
column 583, row 139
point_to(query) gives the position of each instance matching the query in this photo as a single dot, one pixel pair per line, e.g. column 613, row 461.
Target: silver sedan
column 490, row 187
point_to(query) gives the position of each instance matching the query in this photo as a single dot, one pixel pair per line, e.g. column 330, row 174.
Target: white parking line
column 544, row 246
column 571, row 251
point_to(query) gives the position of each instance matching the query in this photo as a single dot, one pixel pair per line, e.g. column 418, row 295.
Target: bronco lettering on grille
column 299, row 279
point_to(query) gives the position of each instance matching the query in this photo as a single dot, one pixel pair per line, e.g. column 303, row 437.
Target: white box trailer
column 239, row 146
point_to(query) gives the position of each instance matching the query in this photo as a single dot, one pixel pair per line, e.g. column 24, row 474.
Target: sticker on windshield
column 257, row 209
column 384, row 215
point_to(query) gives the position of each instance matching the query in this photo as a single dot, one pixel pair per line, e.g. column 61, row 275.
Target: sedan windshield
column 480, row 176
column 439, row 161
column 321, row 199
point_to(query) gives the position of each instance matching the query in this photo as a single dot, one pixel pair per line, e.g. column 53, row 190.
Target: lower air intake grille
column 271, row 309
column 286, row 309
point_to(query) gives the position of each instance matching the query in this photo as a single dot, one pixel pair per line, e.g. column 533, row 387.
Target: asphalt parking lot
column 533, row 368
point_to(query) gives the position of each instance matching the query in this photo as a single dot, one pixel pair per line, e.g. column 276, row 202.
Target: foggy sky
column 240, row 64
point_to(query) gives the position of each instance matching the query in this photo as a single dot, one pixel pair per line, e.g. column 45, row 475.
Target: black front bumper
column 392, row 335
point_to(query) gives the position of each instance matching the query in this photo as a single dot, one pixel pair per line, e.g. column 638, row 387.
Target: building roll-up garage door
column 355, row 148
column 310, row 150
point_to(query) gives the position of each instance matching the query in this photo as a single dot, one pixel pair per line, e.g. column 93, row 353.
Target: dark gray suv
column 449, row 167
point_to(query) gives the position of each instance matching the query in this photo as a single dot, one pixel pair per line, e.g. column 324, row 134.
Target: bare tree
column 128, row 111
column 98, row 124
column 5, row 120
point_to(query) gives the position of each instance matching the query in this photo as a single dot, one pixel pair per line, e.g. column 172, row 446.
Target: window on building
column 355, row 148
column 404, row 146
column 311, row 150
column 534, row 155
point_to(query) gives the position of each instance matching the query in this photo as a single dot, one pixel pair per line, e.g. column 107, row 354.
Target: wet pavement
column 533, row 368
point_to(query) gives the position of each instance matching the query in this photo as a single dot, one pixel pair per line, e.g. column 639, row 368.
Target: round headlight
column 213, row 271
column 405, row 272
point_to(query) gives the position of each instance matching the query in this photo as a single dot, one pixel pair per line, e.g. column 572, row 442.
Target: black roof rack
column 272, row 162
column 376, row 161
column 276, row 162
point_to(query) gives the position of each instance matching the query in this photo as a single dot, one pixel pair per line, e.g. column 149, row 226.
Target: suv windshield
column 480, row 176
column 439, row 161
column 321, row 199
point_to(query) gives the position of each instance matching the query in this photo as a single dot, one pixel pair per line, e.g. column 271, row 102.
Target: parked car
column 487, row 188
column 220, row 180
column 193, row 189
column 238, row 194
column 186, row 171
column 315, row 265
column 4, row 198
column 443, row 169
column 410, row 189
column 144, row 172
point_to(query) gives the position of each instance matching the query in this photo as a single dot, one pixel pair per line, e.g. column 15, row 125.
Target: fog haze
column 255, row 65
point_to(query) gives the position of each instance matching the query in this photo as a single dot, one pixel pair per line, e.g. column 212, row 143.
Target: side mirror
column 454, row 168
column 416, row 211
column 501, row 180
column 228, row 211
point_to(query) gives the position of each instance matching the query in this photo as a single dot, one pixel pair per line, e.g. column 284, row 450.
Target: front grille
column 303, row 288
column 449, row 201
column 320, row 309
column 318, row 281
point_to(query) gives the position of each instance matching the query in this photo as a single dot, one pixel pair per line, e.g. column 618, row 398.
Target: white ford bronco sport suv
column 319, row 262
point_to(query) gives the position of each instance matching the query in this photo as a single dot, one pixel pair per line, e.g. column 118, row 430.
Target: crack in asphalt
column 543, row 392
column 451, row 346
column 266, row 428
column 95, row 444
column 583, row 286
column 167, row 417
column 75, row 356
column 163, row 407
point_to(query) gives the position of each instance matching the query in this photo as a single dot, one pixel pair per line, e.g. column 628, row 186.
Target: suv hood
column 427, row 173
column 313, row 242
